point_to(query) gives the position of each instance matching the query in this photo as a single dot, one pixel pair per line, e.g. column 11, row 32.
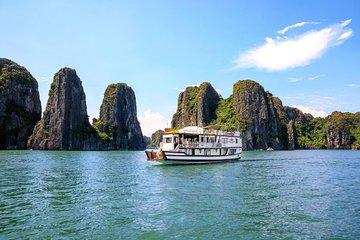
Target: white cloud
column 183, row 89
column 300, row 24
column 179, row 89
column 297, row 79
column 313, row 77
column 285, row 53
column 219, row 91
column 293, row 80
column 43, row 79
column 151, row 122
column 315, row 99
column 345, row 23
column 353, row 85
column 314, row 112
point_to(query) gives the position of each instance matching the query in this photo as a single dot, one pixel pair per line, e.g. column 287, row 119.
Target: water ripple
column 92, row 195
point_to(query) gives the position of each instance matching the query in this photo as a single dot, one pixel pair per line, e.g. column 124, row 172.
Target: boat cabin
column 201, row 141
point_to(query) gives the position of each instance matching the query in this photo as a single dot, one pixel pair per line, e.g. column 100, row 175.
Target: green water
column 119, row 195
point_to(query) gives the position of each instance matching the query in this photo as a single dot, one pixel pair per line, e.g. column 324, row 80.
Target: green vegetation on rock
column 20, row 107
column 196, row 106
column 111, row 92
column 103, row 129
column 52, row 89
column 15, row 72
column 227, row 118
column 191, row 94
column 311, row 134
column 265, row 122
column 156, row 138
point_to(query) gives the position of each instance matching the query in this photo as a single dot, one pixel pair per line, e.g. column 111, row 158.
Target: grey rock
column 65, row 124
column 118, row 118
column 20, row 107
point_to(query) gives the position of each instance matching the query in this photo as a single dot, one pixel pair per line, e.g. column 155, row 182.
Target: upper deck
column 196, row 137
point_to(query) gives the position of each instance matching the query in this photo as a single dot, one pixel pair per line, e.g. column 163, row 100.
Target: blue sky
column 305, row 52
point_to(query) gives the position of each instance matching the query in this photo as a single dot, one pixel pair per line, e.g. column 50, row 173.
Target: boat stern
column 154, row 155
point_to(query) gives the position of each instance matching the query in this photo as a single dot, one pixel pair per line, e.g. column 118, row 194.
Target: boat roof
column 190, row 130
column 195, row 130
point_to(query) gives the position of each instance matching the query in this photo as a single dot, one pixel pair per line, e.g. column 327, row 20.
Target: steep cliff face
column 20, row 107
column 196, row 106
column 65, row 124
column 258, row 113
column 185, row 108
column 338, row 131
column 118, row 118
column 298, row 125
column 207, row 101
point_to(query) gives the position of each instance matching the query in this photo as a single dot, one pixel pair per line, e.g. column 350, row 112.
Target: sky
column 304, row 52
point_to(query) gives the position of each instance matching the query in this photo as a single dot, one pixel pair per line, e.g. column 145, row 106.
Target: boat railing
column 200, row 145
column 190, row 145
column 177, row 147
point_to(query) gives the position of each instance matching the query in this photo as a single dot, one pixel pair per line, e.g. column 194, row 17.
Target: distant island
column 64, row 124
column 261, row 117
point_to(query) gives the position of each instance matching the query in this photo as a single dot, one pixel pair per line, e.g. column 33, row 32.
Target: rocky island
column 65, row 124
column 261, row 117
column 118, row 124
column 20, row 107
column 264, row 121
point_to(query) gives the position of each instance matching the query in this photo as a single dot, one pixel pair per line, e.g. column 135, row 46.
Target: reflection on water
column 293, row 194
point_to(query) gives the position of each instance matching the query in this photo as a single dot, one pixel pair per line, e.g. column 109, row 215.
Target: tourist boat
column 196, row 145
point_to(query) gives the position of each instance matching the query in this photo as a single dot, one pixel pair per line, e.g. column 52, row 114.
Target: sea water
column 119, row 195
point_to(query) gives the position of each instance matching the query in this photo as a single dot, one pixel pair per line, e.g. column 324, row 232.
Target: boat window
column 167, row 140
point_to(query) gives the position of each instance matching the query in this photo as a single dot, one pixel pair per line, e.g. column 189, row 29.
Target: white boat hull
column 182, row 158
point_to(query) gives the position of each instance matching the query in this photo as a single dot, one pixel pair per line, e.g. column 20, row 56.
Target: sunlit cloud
column 151, row 121
column 314, row 112
column 300, row 24
column 289, row 52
